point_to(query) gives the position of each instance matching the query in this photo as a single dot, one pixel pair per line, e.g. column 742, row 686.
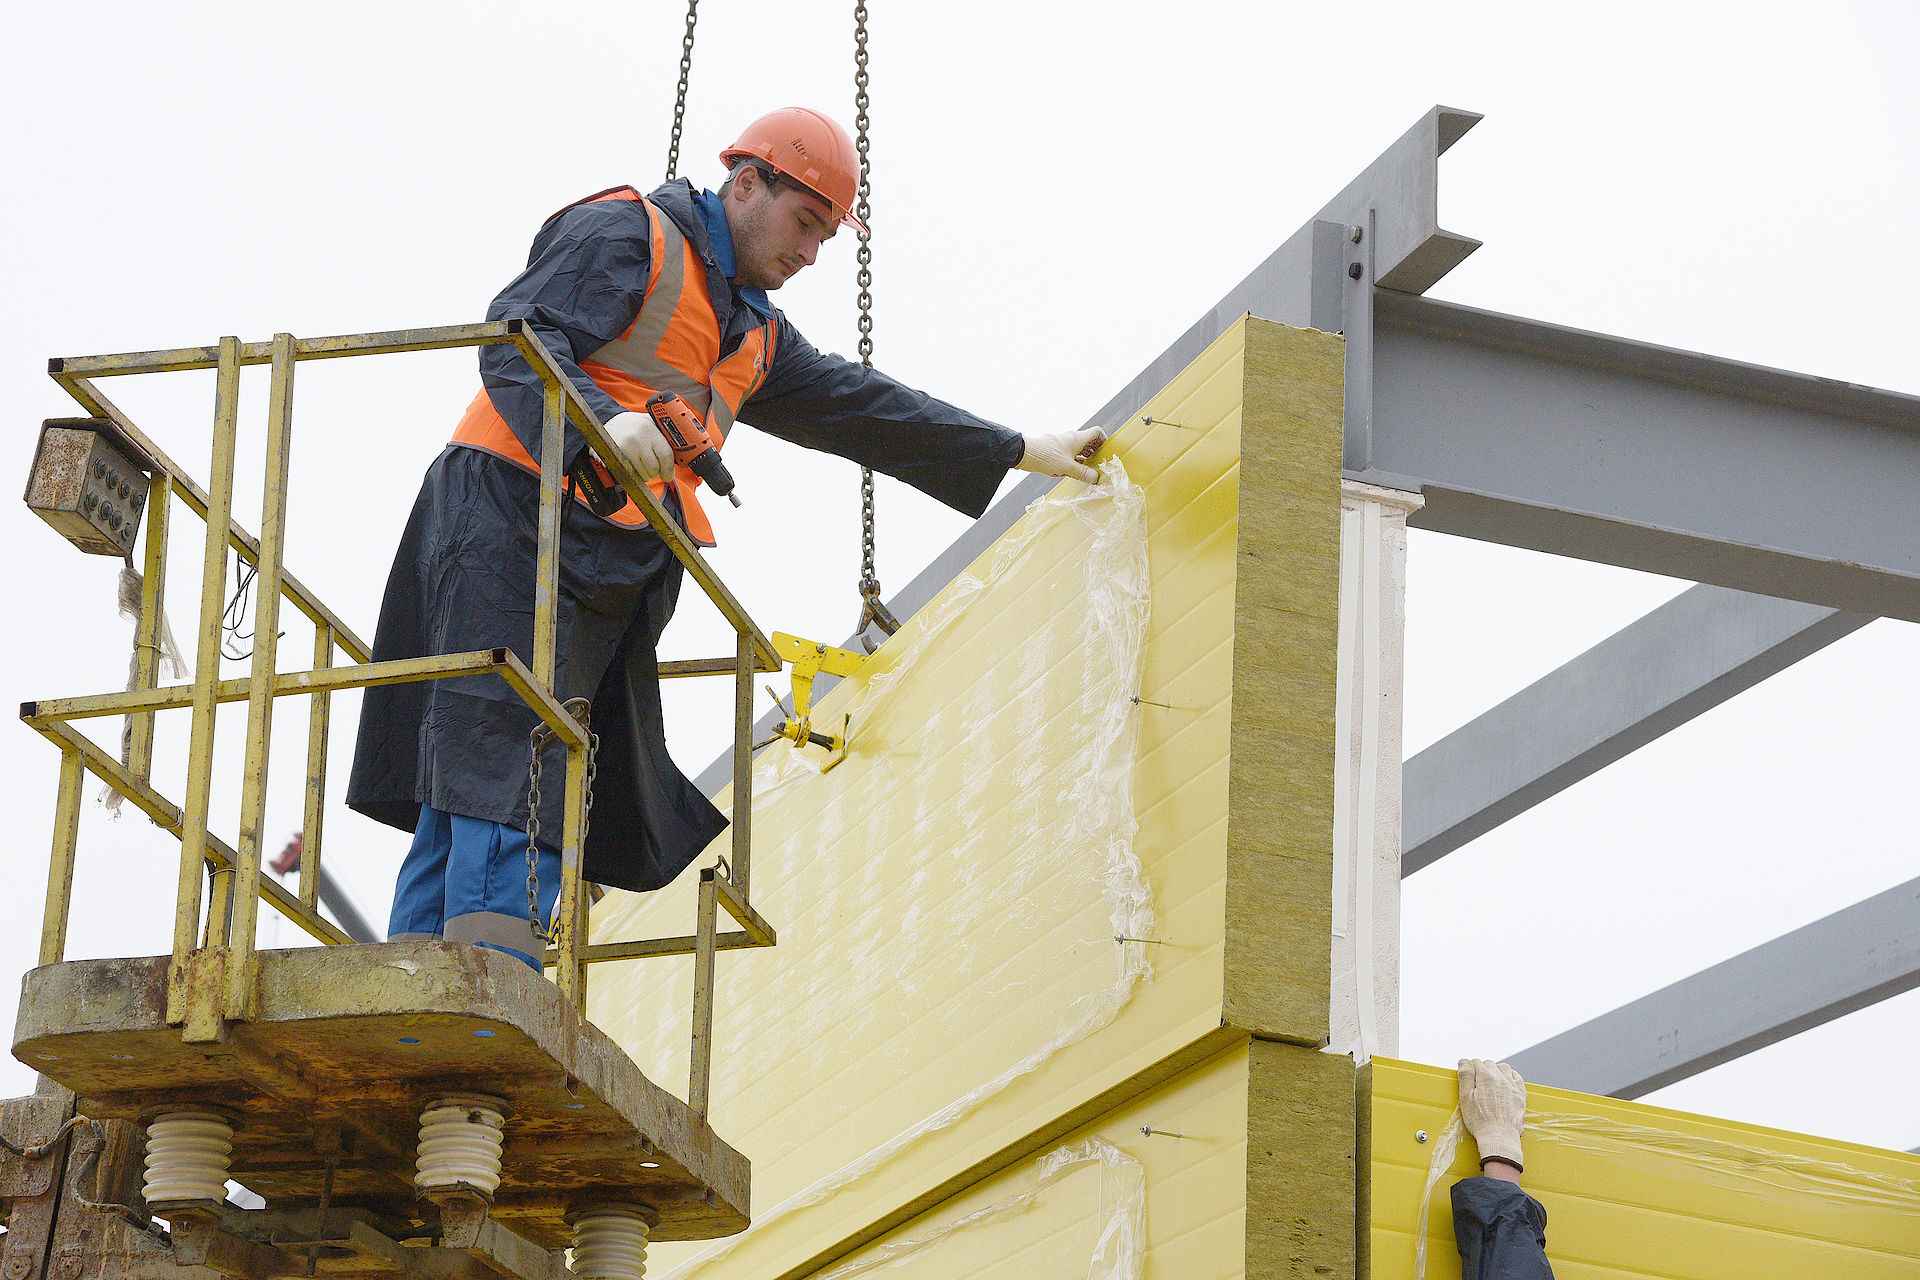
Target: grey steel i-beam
column 1626, row 453
column 1834, row 966
column 1689, row 655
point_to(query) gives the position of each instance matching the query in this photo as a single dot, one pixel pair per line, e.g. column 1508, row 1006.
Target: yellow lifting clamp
column 809, row 658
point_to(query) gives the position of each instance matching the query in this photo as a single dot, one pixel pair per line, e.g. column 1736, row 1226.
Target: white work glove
column 639, row 438
column 1493, row 1105
column 1064, row 453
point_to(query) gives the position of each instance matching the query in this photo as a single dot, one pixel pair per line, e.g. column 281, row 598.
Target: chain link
column 871, row 611
column 863, row 205
column 585, row 716
column 536, row 740
column 582, row 710
column 680, row 101
column 869, row 584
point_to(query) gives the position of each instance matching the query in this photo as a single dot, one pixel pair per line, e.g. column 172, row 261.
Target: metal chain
column 680, row 101
column 536, row 740
column 582, row 710
column 585, row 716
column 871, row 610
column 863, row 206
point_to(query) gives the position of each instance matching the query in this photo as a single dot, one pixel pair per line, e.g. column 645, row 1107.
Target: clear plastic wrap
column 1444, row 1149
column 1741, row 1166
column 1120, row 1243
column 949, row 898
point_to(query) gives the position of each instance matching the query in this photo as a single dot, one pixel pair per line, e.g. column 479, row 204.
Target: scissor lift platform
column 349, row 1043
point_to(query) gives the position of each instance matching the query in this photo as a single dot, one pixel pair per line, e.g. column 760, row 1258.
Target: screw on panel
column 1420, row 1135
column 1152, row 1132
column 1353, row 271
column 1353, row 235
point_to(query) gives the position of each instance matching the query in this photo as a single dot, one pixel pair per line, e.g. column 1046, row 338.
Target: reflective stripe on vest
column 672, row 345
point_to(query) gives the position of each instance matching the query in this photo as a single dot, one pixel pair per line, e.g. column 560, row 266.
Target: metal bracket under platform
column 348, row 1045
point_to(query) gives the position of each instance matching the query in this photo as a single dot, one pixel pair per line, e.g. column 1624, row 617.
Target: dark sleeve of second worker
column 824, row 401
column 1501, row 1231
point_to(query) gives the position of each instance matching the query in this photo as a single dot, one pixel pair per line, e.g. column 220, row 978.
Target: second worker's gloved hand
column 1493, row 1105
column 1064, row 453
column 639, row 438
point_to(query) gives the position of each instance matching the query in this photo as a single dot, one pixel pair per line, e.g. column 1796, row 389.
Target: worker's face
column 776, row 231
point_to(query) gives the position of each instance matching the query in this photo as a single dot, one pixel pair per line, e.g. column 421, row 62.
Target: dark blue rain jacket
column 1501, row 1231
column 462, row 578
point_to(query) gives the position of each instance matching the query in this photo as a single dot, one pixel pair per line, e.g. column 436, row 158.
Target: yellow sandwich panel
column 947, row 990
column 1636, row 1190
column 1107, row 1202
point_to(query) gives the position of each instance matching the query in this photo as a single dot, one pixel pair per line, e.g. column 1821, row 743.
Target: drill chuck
column 710, row 469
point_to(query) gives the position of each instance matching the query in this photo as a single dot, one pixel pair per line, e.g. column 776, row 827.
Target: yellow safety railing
column 213, row 975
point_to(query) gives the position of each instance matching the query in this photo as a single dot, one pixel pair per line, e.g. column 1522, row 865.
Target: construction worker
column 1501, row 1231
column 633, row 294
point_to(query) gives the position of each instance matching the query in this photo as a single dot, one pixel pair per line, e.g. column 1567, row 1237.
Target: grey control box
column 85, row 484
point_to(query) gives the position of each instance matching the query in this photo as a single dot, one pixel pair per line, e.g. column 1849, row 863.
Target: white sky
column 1059, row 191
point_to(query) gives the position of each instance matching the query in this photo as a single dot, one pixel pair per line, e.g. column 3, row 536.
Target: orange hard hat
column 811, row 149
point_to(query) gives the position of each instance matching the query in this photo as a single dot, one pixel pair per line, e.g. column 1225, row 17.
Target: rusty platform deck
column 351, row 1042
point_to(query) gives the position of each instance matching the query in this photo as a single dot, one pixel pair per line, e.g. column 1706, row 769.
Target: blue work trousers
column 465, row 880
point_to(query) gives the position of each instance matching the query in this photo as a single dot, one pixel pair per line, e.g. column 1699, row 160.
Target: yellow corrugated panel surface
column 946, row 913
column 1104, row 1201
column 1633, row 1190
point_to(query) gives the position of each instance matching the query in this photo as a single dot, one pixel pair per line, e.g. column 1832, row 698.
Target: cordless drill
column 692, row 449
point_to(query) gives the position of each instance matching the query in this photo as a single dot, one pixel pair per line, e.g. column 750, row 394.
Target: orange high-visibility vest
column 672, row 345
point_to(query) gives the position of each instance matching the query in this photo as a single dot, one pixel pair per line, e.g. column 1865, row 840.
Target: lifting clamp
column 809, row 658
